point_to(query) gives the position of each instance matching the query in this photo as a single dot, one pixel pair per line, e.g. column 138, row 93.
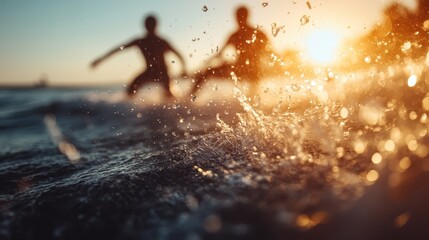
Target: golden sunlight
column 322, row 46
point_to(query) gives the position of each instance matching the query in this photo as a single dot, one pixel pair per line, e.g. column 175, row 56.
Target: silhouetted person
column 153, row 49
column 251, row 46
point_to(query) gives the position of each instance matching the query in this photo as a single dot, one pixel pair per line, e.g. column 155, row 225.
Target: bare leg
column 137, row 83
column 199, row 78
column 222, row 71
column 167, row 89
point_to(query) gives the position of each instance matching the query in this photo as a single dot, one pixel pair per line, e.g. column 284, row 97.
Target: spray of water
column 375, row 128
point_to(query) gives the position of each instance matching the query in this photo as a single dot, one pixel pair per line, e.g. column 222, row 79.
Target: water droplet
column 295, row 87
column 256, row 101
column 406, row 46
column 423, row 118
column 396, row 134
column 426, row 25
column 205, row 8
column 371, row 114
column 360, row 146
column 308, row 221
column 401, row 220
column 425, row 103
column 376, row 158
column 413, row 115
column 368, row 59
column 413, row 145
column 412, row 81
column 389, row 145
column 405, row 163
column 344, row 113
column 264, row 4
column 372, row 176
column 331, row 75
column 302, row 221
column 122, row 47
column 275, row 30
column 210, row 102
column 304, row 20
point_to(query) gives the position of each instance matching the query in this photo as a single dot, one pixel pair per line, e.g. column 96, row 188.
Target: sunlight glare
column 322, row 46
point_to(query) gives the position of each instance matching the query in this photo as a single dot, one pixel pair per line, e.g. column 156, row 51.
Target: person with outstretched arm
column 153, row 49
column 251, row 47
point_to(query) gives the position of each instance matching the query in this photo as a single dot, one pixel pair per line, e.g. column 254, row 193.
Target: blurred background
column 55, row 41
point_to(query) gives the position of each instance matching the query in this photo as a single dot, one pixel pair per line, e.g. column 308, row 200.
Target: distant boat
column 41, row 83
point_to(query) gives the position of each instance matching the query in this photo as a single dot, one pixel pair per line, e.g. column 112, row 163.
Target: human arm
column 97, row 61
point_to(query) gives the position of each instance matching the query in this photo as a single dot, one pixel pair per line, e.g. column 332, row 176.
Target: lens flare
column 322, row 46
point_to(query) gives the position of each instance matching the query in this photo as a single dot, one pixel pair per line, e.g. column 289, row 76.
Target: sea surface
column 337, row 158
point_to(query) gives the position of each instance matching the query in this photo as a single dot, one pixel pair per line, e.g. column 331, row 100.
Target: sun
column 322, row 46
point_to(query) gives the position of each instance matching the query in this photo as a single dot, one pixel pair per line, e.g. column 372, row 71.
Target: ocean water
column 339, row 159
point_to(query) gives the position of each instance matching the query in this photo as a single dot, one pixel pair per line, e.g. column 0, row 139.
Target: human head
column 150, row 24
column 241, row 15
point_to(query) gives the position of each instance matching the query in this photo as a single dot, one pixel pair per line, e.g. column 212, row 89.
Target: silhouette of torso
column 153, row 49
column 250, row 46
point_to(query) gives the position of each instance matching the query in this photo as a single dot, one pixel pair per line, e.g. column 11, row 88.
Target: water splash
column 353, row 136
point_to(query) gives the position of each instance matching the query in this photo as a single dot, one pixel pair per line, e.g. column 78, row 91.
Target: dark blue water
column 88, row 163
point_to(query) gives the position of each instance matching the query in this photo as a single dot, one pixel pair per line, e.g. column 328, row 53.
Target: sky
column 58, row 39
